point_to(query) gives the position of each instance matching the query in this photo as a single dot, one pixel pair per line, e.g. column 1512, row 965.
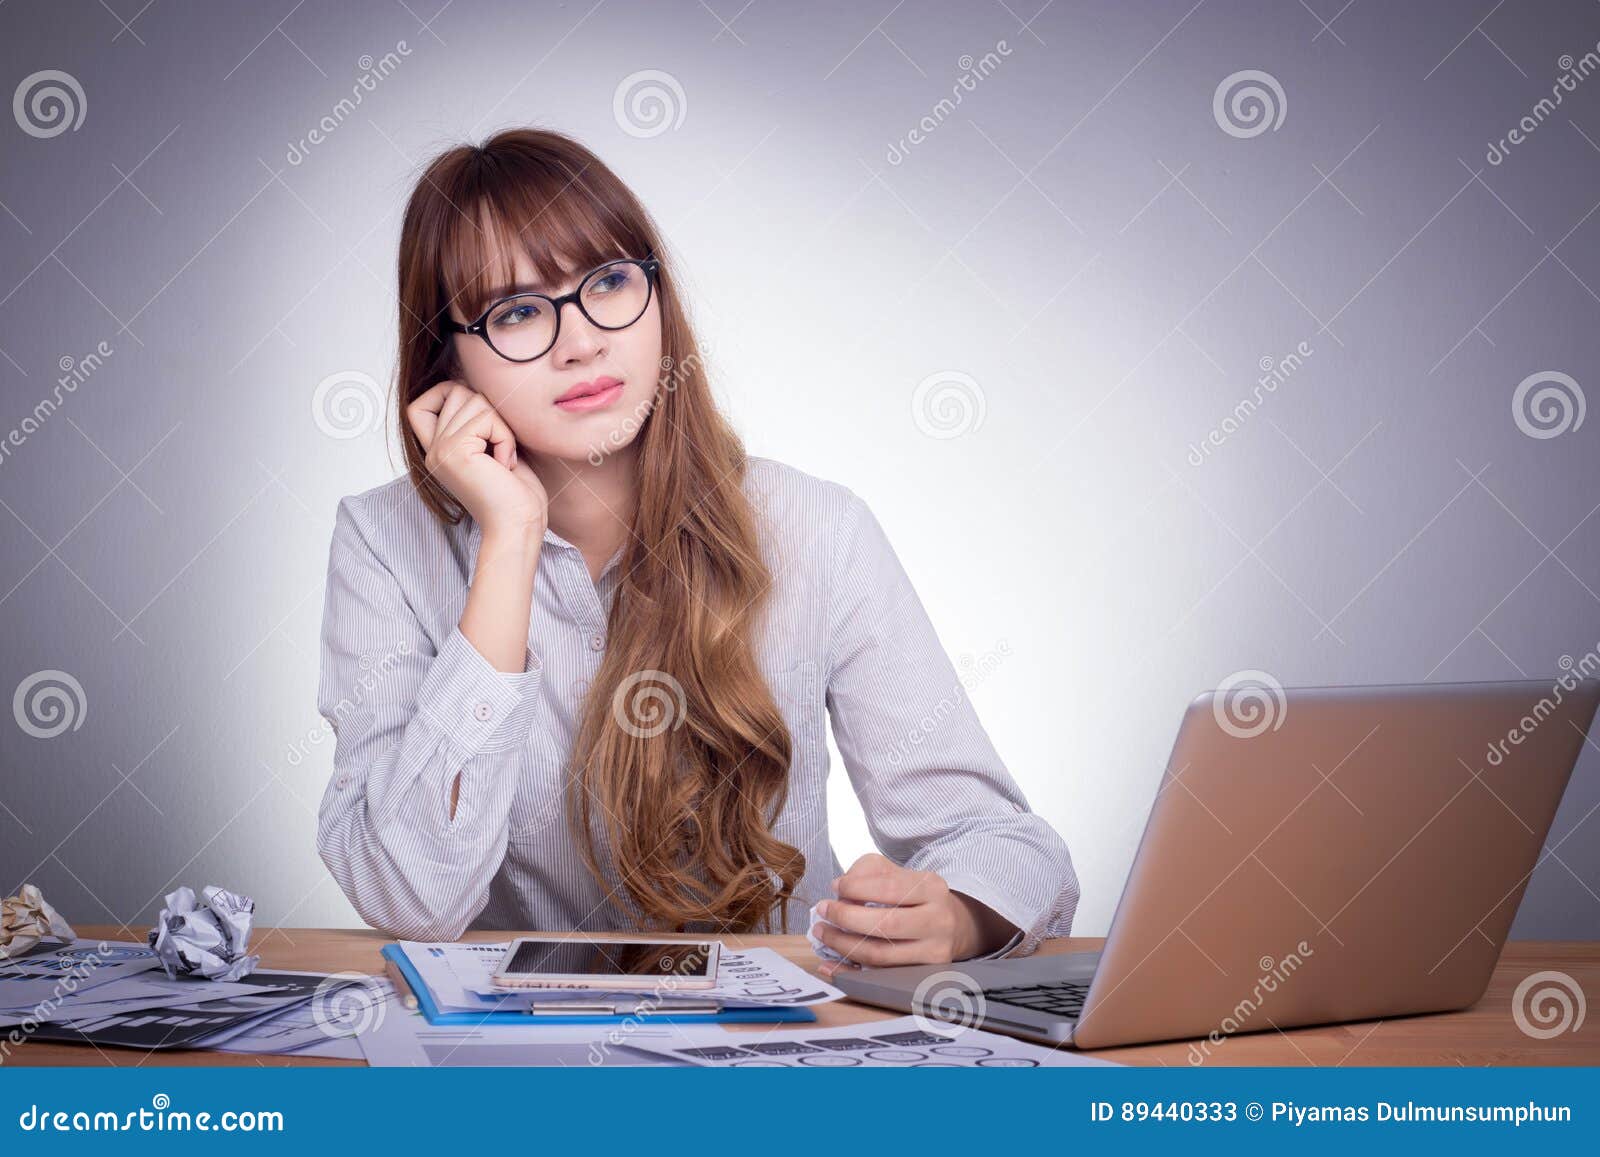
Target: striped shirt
column 412, row 703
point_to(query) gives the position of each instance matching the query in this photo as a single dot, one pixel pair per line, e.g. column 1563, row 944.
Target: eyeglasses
column 524, row 326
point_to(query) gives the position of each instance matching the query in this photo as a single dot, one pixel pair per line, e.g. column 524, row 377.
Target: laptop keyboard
column 1057, row 997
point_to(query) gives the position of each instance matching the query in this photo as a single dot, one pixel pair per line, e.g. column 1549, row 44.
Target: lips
column 585, row 389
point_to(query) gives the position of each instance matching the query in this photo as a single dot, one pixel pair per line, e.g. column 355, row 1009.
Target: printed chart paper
column 900, row 1043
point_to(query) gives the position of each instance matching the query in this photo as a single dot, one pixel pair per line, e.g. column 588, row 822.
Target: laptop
column 1313, row 855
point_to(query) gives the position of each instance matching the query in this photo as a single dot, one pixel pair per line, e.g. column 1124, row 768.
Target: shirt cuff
column 1023, row 941
column 1004, row 950
column 477, row 707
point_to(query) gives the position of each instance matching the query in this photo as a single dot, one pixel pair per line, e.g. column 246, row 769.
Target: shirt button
column 341, row 783
column 580, row 688
column 597, row 642
column 482, row 712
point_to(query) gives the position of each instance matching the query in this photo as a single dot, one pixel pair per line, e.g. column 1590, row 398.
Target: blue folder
column 787, row 1014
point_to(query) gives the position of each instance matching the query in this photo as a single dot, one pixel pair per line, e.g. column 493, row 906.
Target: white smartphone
column 621, row 964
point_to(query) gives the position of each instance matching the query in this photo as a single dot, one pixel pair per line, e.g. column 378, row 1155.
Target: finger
column 468, row 432
column 480, row 422
column 458, row 396
column 867, row 868
column 451, row 398
column 469, row 417
column 869, row 950
column 886, row 923
column 423, row 413
column 897, row 887
column 502, row 442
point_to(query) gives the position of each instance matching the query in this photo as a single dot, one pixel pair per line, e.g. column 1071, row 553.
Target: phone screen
column 610, row 958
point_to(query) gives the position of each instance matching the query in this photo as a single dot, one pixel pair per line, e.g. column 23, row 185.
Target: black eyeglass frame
column 652, row 272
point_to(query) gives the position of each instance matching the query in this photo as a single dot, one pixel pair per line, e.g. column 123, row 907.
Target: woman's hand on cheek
column 471, row 451
column 921, row 922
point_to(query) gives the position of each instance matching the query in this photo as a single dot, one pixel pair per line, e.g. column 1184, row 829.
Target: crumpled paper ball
column 207, row 941
column 818, row 946
column 25, row 919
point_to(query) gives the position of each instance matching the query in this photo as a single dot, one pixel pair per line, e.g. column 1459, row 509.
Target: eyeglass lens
column 613, row 297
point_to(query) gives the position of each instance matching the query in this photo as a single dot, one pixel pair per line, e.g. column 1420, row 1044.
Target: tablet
column 623, row 964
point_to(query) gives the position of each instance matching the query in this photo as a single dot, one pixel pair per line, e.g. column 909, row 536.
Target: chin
column 591, row 442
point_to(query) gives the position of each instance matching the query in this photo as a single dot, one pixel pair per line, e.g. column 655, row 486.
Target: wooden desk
column 1483, row 1035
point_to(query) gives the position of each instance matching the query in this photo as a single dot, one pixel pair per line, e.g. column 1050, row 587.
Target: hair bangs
column 563, row 227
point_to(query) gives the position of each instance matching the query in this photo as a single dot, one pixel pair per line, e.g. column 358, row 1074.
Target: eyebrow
column 538, row 287
column 520, row 287
column 505, row 291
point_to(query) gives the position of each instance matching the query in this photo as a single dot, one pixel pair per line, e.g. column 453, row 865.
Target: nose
column 579, row 340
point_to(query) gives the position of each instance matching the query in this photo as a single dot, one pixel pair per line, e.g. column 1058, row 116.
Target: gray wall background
column 1008, row 336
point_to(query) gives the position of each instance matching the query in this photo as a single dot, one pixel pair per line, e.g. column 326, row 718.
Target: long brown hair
column 686, row 809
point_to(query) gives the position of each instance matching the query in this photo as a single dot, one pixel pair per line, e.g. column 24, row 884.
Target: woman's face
column 584, row 358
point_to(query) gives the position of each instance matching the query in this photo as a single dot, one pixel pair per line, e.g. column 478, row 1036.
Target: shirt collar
column 551, row 538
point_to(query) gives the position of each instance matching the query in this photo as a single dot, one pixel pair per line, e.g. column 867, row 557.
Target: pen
column 401, row 987
column 575, row 1008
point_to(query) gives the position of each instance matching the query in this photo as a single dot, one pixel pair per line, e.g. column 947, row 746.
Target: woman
column 576, row 659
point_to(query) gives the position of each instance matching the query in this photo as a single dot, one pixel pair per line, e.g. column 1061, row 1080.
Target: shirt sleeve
column 407, row 717
column 936, row 795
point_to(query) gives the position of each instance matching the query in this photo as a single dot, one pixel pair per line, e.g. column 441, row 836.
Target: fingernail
column 823, row 909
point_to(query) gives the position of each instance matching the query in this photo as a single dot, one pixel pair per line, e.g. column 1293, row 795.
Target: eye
column 515, row 314
column 609, row 282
